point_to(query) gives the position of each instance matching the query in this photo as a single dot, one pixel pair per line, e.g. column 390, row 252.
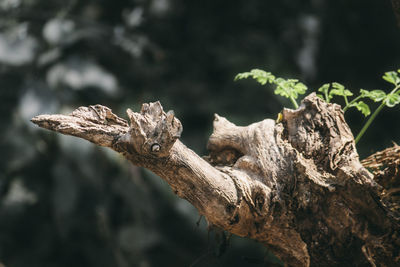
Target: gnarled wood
column 385, row 165
column 297, row 186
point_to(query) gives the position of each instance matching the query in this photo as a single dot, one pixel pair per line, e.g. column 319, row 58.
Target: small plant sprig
column 337, row 89
column 390, row 100
column 292, row 88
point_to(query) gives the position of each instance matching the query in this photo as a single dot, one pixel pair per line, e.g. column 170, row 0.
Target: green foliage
column 392, row 100
column 292, row 88
column 289, row 88
column 375, row 95
column 260, row 76
column 362, row 107
column 340, row 90
column 392, row 77
column 325, row 90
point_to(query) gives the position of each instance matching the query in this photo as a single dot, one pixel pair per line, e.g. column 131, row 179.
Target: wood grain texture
column 296, row 186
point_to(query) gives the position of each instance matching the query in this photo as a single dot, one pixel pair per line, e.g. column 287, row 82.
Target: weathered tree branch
column 297, row 186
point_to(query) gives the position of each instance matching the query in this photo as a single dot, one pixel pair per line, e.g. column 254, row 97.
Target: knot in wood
column 155, row 147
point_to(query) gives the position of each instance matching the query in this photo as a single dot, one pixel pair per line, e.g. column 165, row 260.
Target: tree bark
column 295, row 185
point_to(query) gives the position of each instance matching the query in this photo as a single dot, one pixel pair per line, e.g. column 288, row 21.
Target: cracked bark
column 297, row 185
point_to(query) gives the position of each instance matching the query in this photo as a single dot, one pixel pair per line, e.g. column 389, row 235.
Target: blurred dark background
column 66, row 202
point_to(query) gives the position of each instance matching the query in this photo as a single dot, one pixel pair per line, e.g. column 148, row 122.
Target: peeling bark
column 297, row 186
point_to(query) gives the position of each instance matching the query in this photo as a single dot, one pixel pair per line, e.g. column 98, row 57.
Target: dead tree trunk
column 297, row 185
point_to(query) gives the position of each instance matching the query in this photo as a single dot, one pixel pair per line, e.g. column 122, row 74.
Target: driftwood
column 295, row 185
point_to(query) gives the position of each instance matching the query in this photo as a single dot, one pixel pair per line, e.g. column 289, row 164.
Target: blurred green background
column 66, row 202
